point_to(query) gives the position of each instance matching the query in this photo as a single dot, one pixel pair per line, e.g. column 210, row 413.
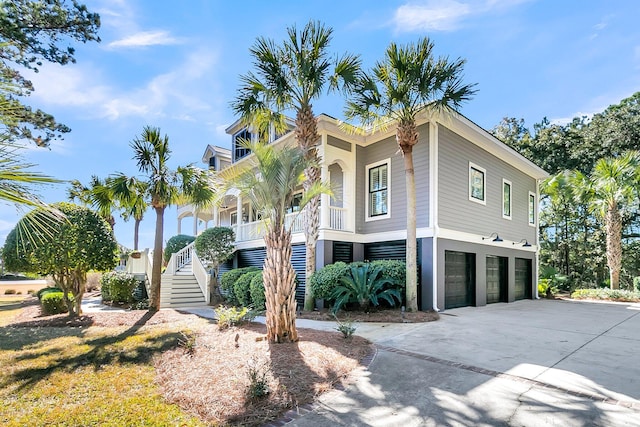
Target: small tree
column 66, row 249
column 214, row 246
column 174, row 244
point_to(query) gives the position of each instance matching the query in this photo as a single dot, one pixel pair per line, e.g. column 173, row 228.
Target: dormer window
column 238, row 140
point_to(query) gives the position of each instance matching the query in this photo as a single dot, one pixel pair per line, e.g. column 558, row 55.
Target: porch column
column 216, row 216
column 195, row 223
column 324, row 199
column 179, row 225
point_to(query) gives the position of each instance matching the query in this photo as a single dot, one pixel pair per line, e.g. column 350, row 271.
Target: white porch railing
column 337, row 218
column 257, row 229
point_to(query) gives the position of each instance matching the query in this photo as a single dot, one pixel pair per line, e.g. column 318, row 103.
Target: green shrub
column 242, row 287
column 365, row 286
column 394, row 270
column 256, row 289
column 231, row 316
column 118, row 287
column 324, row 281
column 46, row 290
column 228, row 279
column 606, row 294
column 176, row 243
column 53, row 303
column 10, row 292
column 636, row 283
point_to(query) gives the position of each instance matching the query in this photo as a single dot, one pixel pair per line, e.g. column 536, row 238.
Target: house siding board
column 457, row 212
column 338, row 143
column 388, row 149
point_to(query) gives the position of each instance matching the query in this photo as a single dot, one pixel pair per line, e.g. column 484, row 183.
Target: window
column 532, row 209
column 477, row 184
column 378, row 190
column 239, row 139
column 234, row 218
column 506, row 199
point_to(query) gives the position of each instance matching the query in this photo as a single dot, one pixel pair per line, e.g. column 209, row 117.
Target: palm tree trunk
column 154, row 297
column 136, row 233
column 412, row 269
column 613, row 226
column 407, row 137
column 280, row 286
column 311, row 231
column 307, row 136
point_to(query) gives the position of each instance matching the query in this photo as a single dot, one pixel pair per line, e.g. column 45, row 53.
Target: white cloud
column 177, row 93
column 433, row 16
column 444, row 15
column 146, row 38
column 567, row 120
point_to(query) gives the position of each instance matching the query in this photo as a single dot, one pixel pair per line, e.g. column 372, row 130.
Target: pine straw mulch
column 213, row 381
column 382, row 316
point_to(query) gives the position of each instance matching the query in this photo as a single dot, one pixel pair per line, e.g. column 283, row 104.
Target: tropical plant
column 131, row 194
column 407, row 81
column 614, row 181
column 290, row 76
column 364, row 285
column 269, row 180
column 166, row 187
column 97, row 195
column 66, row 250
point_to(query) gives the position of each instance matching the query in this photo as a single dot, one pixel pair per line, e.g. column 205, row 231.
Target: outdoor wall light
column 525, row 243
column 496, row 239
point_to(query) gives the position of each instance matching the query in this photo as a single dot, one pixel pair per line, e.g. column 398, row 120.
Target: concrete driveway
column 529, row 363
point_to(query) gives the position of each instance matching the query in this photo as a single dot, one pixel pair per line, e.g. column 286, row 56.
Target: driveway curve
column 528, row 363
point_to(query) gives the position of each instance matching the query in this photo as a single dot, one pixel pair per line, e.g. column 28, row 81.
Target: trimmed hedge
column 324, row 281
column 242, row 287
column 256, row 289
column 53, row 303
column 118, row 287
column 228, row 279
column 46, row 290
column 607, row 294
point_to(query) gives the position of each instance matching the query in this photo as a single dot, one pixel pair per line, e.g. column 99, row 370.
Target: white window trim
column 535, row 209
column 368, row 218
column 506, row 181
column 484, row 183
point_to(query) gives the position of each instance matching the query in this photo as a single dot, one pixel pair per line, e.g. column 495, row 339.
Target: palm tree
column 270, row 182
column 131, row 195
column 408, row 80
column 289, row 77
column 614, row 181
column 97, row 195
column 166, row 187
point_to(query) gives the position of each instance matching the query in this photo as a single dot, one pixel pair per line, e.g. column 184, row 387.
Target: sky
column 176, row 65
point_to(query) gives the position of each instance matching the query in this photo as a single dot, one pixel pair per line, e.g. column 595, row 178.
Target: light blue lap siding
column 457, row 212
column 388, row 149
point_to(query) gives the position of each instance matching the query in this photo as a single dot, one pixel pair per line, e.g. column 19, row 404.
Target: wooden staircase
column 181, row 289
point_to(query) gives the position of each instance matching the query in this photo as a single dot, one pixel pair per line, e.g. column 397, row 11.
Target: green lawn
column 85, row 376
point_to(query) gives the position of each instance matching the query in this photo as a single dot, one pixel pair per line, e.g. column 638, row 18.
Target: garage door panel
column 523, row 279
column 459, row 279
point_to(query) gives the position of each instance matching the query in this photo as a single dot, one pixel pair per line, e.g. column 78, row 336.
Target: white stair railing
column 202, row 277
column 180, row 259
